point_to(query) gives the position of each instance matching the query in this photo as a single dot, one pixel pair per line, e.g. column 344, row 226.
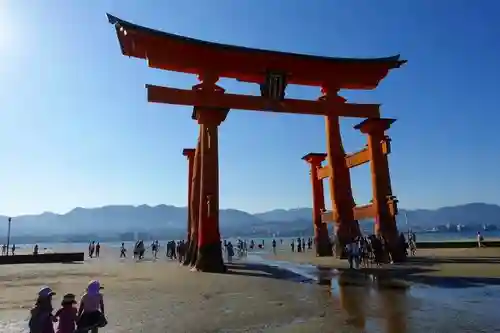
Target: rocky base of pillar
column 187, row 257
column 398, row 252
column 395, row 246
column 323, row 248
column 191, row 254
column 340, row 251
column 398, row 255
column 210, row 259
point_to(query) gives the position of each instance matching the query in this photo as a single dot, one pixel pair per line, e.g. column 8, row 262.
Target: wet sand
column 161, row 296
column 481, row 264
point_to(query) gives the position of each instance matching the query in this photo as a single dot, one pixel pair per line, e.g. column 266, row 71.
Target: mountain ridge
column 125, row 218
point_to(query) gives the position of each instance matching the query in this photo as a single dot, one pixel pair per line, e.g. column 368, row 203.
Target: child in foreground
column 41, row 319
column 67, row 314
column 91, row 311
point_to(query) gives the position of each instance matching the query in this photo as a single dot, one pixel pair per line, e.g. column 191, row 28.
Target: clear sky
column 76, row 129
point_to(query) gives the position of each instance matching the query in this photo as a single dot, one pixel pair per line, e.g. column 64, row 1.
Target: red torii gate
column 273, row 71
column 383, row 207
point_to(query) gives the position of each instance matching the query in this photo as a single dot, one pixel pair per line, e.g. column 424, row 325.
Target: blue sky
column 76, row 129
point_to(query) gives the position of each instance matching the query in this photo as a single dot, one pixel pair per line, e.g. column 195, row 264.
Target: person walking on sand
column 91, row 249
column 91, row 315
column 13, row 249
column 480, row 240
column 123, row 251
column 352, row 254
column 67, row 315
column 97, row 249
column 230, row 252
column 41, row 318
column 274, row 246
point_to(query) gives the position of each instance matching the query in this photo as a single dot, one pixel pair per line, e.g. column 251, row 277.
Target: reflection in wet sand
column 354, row 300
column 394, row 305
column 381, row 303
column 363, row 297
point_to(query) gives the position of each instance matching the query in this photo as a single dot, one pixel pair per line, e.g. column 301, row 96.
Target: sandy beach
column 156, row 296
column 161, row 296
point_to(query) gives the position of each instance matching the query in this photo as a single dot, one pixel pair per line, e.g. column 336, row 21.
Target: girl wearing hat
column 41, row 315
column 91, row 311
column 67, row 314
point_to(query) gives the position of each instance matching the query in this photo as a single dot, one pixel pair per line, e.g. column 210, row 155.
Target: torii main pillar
column 385, row 221
column 347, row 227
column 189, row 153
column 209, row 258
column 321, row 239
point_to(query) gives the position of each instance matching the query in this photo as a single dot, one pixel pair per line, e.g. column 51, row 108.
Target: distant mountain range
column 465, row 215
column 171, row 220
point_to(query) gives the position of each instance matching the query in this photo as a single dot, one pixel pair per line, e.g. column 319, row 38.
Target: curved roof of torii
column 184, row 54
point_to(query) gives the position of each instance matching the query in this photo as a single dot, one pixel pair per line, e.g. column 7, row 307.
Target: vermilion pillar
column 194, row 205
column 385, row 222
column 189, row 153
column 340, row 184
column 209, row 257
column 322, row 241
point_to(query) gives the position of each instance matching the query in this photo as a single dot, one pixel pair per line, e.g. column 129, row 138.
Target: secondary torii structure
column 383, row 207
column 273, row 71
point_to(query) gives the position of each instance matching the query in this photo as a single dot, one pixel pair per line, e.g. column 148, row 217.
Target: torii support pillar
column 209, row 258
column 194, row 205
column 189, row 153
column 347, row 228
column 321, row 239
column 385, row 221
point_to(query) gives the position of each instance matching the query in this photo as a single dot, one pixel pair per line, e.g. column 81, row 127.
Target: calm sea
column 421, row 237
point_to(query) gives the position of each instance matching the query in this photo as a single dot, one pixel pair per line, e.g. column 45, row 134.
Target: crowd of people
column 94, row 249
column 241, row 249
column 373, row 250
column 299, row 244
column 364, row 251
column 89, row 316
column 177, row 250
column 174, row 250
column 5, row 249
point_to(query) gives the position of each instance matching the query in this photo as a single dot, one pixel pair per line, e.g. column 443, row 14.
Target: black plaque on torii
column 274, row 86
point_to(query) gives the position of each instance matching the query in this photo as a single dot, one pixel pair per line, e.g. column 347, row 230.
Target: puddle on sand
column 14, row 326
column 13, row 322
column 377, row 304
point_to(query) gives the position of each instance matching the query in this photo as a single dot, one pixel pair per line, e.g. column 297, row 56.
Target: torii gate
column 273, row 71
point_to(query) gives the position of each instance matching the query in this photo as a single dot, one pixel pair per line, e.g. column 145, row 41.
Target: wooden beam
column 157, row 94
column 362, row 212
column 324, row 172
column 356, row 159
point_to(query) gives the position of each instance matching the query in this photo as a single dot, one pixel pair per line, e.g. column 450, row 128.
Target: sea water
column 421, row 237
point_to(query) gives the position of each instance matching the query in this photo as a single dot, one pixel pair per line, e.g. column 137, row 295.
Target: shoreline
column 113, row 243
